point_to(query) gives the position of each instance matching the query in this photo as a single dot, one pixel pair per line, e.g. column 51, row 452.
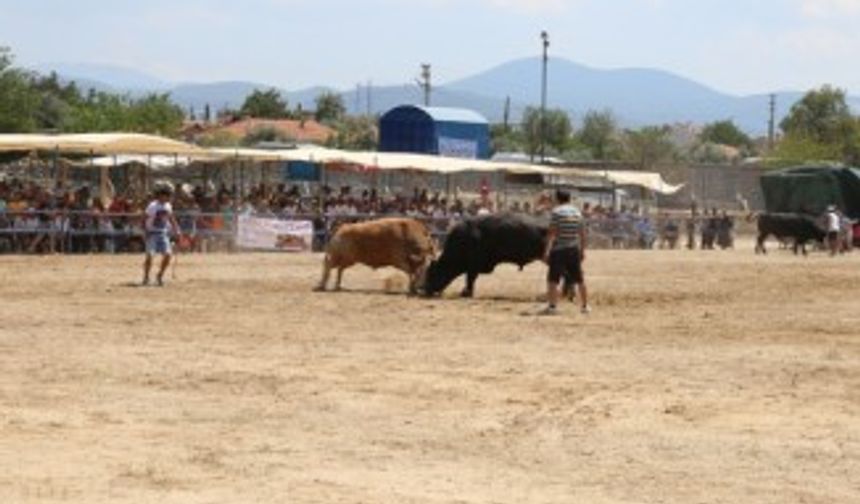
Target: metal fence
column 84, row 232
column 65, row 231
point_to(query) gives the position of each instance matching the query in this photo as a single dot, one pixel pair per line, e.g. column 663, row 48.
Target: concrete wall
column 720, row 186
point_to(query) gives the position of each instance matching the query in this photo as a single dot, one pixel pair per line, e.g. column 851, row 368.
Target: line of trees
column 351, row 132
column 820, row 127
column 30, row 102
column 600, row 138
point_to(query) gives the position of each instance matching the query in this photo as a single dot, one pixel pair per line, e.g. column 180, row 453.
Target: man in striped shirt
column 565, row 251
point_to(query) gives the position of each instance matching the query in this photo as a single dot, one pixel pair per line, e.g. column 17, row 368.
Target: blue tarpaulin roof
column 435, row 130
column 444, row 114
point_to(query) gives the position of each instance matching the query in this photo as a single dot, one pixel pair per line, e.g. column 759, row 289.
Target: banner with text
column 457, row 147
column 273, row 234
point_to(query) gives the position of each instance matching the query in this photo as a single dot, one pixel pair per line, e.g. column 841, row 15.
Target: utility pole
column 369, row 98
column 545, row 38
column 507, row 114
column 358, row 99
column 425, row 82
column 771, row 125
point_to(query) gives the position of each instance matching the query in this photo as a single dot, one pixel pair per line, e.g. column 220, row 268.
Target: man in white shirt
column 159, row 223
column 834, row 227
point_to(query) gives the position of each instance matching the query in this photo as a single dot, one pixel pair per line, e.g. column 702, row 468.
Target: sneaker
column 159, row 281
column 586, row 310
column 549, row 310
column 145, row 282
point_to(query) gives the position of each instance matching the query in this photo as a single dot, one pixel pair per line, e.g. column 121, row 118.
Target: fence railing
column 67, row 231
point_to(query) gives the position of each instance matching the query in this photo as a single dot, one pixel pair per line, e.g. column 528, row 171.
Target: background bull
column 798, row 228
column 476, row 246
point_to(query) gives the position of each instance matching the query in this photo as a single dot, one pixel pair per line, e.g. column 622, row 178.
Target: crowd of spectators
column 36, row 219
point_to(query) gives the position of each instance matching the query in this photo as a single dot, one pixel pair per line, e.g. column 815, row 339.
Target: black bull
column 796, row 227
column 476, row 246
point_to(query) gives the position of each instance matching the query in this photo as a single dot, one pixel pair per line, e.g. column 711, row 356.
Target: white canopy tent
column 158, row 152
column 98, row 144
column 385, row 161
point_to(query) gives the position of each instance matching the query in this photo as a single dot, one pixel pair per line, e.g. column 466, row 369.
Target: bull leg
column 337, row 282
column 568, row 289
column 416, row 279
column 469, row 291
column 759, row 246
column 416, row 272
column 799, row 247
column 413, row 284
column 321, row 287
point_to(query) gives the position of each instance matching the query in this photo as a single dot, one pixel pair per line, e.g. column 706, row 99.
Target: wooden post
column 505, row 189
column 235, row 181
column 448, row 187
column 56, row 167
column 242, row 188
column 147, row 175
column 323, row 183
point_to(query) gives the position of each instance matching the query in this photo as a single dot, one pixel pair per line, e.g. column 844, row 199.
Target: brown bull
column 405, row 244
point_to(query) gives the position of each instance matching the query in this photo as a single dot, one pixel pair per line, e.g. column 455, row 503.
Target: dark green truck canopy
column 811, row 189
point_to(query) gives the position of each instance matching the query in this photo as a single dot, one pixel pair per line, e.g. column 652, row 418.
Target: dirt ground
column 700, row 378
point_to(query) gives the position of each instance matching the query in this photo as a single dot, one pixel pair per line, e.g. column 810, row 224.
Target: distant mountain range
column 636, row 96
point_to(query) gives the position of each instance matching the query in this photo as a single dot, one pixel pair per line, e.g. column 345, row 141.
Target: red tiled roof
column 308, row 131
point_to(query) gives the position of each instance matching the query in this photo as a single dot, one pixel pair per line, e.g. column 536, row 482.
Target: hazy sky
column 739, row 46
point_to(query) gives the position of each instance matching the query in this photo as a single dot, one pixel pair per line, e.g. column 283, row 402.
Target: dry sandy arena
column 699, row 378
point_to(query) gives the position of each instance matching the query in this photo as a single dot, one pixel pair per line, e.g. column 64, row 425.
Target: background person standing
column 834, row 227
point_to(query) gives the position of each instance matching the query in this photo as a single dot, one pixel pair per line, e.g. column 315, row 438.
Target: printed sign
column 459, row 148
column 274, row 234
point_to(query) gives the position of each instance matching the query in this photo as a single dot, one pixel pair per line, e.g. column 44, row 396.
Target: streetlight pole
column 545, row 38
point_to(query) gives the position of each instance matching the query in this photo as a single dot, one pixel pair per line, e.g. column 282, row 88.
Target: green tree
column 56, row 102
column 821, row 115
column 599, row 134
column 265, row 104
column 794, row 150
column 821, row 124
column 558, row 131
column 648, row 146
column 330, row 108
column 18, row 100
column 356, row 133
column 265, row 134
column 505, row 139
column 101, row 112
column 29, row 102
column 156, row 114
column 725, row 133
column 220, row 138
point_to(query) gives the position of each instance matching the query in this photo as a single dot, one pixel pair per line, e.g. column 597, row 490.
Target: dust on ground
column 700, row 377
